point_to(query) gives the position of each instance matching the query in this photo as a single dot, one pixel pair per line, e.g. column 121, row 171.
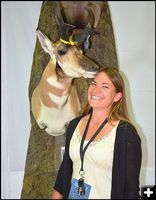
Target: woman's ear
column 118, row 96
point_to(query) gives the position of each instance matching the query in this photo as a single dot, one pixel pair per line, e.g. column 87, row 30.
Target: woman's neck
column 99, row 115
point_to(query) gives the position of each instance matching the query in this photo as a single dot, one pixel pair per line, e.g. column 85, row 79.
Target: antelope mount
column 55, row 101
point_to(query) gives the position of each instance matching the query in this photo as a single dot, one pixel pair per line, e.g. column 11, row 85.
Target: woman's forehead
column 102, row 77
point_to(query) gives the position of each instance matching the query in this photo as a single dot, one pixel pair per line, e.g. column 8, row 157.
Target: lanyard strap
column 82, row 151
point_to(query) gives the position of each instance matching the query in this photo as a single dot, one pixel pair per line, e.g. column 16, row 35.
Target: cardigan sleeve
column 59, row 179
column 133, row 163
column 59, row 184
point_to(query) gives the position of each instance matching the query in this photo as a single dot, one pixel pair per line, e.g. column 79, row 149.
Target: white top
column 98, row 160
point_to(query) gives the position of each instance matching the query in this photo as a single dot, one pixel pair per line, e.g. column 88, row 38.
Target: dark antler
column 81, row 37
column 63, row 27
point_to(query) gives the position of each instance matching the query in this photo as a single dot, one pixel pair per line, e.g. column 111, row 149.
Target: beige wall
column 134, row 28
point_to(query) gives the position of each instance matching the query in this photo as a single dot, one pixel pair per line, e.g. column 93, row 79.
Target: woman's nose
column 96, row 88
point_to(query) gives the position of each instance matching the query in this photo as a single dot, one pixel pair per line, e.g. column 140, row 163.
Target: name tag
column 74, row 193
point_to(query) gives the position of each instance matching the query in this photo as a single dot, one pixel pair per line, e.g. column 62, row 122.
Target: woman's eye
column 105, row 86
column 102, row 86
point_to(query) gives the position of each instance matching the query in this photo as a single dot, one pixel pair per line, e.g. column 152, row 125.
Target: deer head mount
column 55, row 101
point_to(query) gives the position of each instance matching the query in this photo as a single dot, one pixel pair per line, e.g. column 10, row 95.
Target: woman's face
column 101, row 92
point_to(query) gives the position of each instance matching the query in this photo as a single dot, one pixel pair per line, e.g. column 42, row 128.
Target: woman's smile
column 96, row 97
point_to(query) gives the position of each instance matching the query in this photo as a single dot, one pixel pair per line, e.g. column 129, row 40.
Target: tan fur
column 35, row 103
column 41, row 96
column 42, row 90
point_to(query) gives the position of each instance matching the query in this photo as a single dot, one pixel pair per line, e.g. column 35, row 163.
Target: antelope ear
column 46, row 44
column 86, row 44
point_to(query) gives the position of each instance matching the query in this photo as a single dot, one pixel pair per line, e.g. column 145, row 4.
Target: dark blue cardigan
column 126, row 163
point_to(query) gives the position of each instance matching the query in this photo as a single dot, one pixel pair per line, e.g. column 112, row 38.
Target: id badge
column 73, row 194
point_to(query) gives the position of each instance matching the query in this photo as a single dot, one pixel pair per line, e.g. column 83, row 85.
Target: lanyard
column 82, row 151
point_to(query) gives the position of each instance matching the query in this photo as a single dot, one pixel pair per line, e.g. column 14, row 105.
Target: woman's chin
column 95, row 104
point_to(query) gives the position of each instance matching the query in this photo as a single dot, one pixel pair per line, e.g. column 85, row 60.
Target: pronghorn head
column 67, row 53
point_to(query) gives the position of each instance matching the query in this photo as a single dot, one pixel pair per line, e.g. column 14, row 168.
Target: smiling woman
column 101, row 95
column 107, row 91
column 100, row 167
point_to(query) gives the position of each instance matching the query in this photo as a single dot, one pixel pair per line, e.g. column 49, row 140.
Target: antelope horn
column 63, row 27
column 81, row 37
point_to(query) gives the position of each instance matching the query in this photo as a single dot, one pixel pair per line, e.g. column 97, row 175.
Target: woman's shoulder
column 75, row 121
column 78, row 121
column 71, row 127
column 79, row 118
column 128, row 131
column 127, row 124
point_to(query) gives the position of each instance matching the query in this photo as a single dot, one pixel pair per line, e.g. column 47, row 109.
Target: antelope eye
column 62, row 51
